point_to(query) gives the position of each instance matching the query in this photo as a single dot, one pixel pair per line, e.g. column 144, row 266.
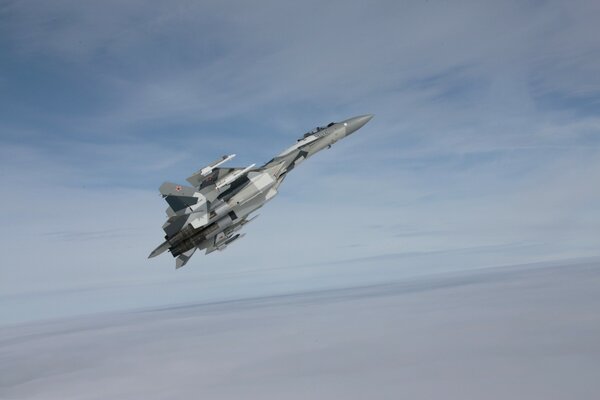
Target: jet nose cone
column 354, row 124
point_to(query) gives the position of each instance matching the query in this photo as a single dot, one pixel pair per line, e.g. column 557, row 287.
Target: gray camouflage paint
column 208, row 214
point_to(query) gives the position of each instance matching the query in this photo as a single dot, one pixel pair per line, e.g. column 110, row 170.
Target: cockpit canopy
column 316, row 130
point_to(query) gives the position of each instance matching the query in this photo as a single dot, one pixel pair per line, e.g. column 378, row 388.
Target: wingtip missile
column 232, row 177
column 228, row 242
column 208, row 169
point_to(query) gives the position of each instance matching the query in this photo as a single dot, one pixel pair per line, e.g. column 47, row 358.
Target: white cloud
column 521, row 331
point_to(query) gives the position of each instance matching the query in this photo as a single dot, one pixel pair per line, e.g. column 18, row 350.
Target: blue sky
column 485, row 148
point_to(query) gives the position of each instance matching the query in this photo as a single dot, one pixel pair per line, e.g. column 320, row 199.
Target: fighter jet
column 208, row 213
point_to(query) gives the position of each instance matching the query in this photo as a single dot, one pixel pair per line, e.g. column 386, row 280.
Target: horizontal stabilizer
column 184, row 258
column 186, row 206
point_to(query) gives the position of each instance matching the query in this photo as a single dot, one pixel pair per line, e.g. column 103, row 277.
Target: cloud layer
column 526, row 331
